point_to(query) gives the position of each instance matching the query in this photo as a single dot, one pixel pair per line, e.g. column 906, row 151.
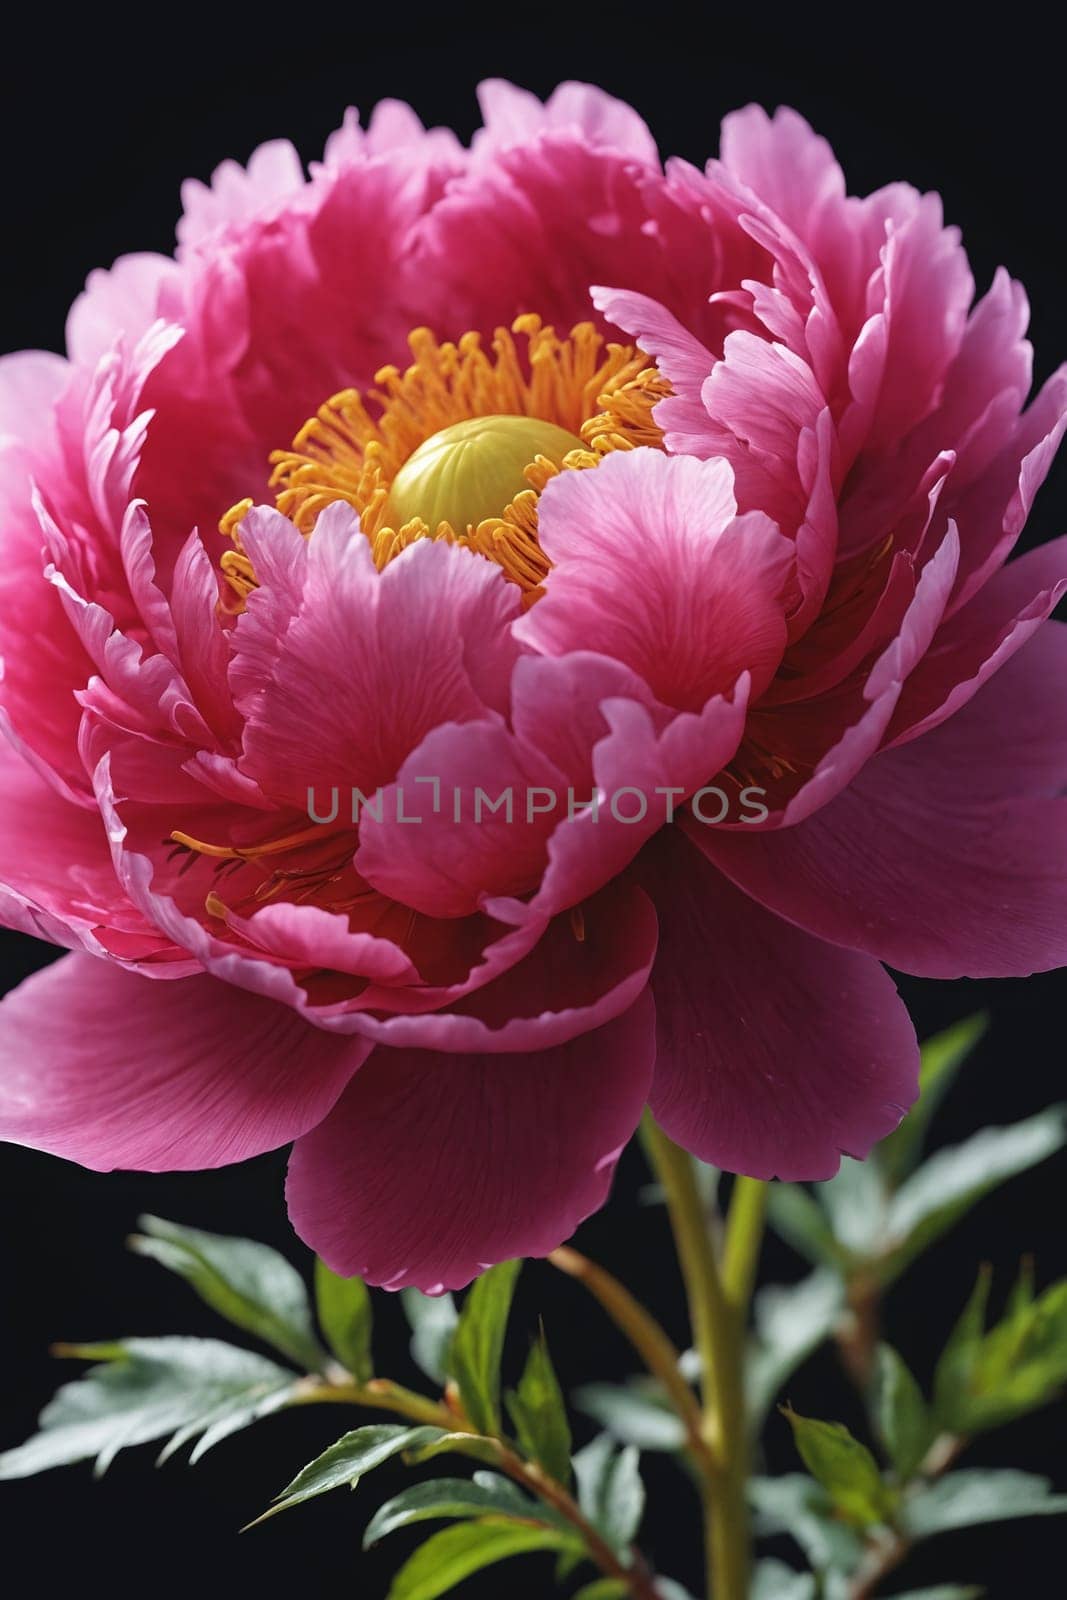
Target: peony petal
column 515, row 116
column 946, row 857
column 776, row 1053
column 432, row 1167
column 975, row 642
column 112, row 1069
column 383, row 658
column 651, row 567
column 583, row 971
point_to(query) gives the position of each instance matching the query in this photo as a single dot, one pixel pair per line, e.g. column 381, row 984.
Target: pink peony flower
column 701, row 508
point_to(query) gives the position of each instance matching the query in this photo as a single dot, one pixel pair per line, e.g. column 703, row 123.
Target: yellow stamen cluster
column 355, row 447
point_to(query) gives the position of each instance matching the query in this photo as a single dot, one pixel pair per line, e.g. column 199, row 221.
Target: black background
column 101, row 121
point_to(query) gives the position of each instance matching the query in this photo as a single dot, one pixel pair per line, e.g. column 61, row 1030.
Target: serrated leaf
column 635, row 1413
column 904, row 1422
column 942, row 1057
column 346, row 1318
column 478, row 1344
column 349, row 1459
column 432, row 1319
column 610, row 1491
column 248, row 1283
column 452, row 1498
column 798, row 1505
column 845, row 1468
column 856, row 1202
column 146, row 1389
column 773, row 1580
column 947, row 1185
column 964, row 1499
column 795, row 1217
column 539, row 1414
column 456, row 1553
column 790, row 1322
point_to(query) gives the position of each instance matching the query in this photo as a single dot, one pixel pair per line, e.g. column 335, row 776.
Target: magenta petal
column 581, row 973
column 776, row 1053
column 946, row 857
column 432, row 1167
column 112, row 1069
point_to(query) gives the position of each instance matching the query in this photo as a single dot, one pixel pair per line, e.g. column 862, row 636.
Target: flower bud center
column 473, row 469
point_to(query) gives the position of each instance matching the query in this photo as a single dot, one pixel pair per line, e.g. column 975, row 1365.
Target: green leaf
column 433, row 1319
column 540, row 1416
column 478, row 1344
column 856, row 1201
column 773, row 1580
column 947, row 1185
column 460, row 1444
column 943, row 1591
column 455, row 1553
column 609, row 1589
column 610, row 1491
column 904, row 1421
column 790, row 1322
column 845, row 1468
column 145, row 1389
column 797, row 1505
column 346, row 1318
column 248, row 1283
column 348, row 1460
column 953, row 1373
column 668, row 1589
column 795, row 1216
column 942, row 1057
column 447, row 1498
column 635, row 1413
column 1019, row 1365
column 964, row 1499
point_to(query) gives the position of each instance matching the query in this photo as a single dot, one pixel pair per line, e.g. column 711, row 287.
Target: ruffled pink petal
column 865, row 712
column 947, row 857
column 432, row 1167
column 776, row 1053
column 42, row 660
column 236, row 193
column 394, row 129
column 680, row 357
column 501, row 812
column 787, row 164
column 651, row 567
column 515, row 116
column 264, row 964
column 57, row 880
column 120, row 302
column 583, row 971
column 532, row 226
column 111, row 1069
column 977, row 640
column 385, row 656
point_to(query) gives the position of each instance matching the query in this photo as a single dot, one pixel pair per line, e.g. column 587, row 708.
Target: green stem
column 647, row 1338
column 744, row 1235
column 382, row 1394
column 718, row 1329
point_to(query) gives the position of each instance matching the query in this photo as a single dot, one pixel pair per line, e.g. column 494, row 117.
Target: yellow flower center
column 472, row 470
column 460, row 444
